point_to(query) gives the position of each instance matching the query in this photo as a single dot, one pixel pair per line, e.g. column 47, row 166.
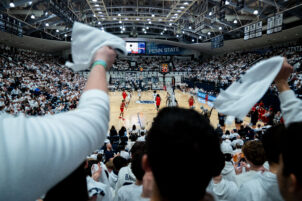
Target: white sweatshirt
column 264, row 187
column 125, row 175
column 38, row 152
column 291, row 107
column 130, row 193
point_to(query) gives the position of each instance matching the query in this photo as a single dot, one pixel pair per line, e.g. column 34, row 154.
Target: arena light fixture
column 153, row 15
column 182, row 7
column 97, row 8
column 122, row 32
column 144, row 29
column 124, row 29
column 179, row 11
column 210, row 14
column 100, row 12
column 120, row 22
column 175, row 14
column 11, row 4
column 159, row 19
column 220, row 28
column 126, row 18
column 161, row 33
column 145, row 32
column 57, row 31
column 199, row 37
column 193, row 40
column 96, row 5
column 209, row 33
column 33, row 17
column 170, row 24
column 94, row 0
column 101, row 15
column 137, row 19
column 150, row 22
column 119, row 14
column 99, row 23
column 103, row 18
column 235, row 21
column 65, row 35
column 46, row 13
column 165, row 29
column 114, row 18
column 183, row 32
column 186, row 3
column 255, row 12
column 190, row 27
column 177, row 36
column 227, row 3
column 46, row 24
column 30, row 2
column 94, row 15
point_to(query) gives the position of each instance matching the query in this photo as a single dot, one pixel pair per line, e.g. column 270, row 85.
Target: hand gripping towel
column 238, row 99
column 86, row 41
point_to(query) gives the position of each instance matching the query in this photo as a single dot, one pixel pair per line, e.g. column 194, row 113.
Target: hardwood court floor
column 143, row 114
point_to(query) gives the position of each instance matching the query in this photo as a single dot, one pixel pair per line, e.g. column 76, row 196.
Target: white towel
column 242, row 95
column 86, row 41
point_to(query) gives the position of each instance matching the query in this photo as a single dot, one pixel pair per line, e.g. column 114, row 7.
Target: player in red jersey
column 157, row 101
column 207, row 97
column 191, row 102
column 123, row 104
column 124, row 94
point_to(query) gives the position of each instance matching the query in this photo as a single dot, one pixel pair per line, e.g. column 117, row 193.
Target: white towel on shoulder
column 86, row 40
column 242, row 95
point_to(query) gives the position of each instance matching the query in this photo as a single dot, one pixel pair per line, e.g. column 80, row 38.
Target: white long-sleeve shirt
column 291, row 107
column 264, row 187
column 38, row 152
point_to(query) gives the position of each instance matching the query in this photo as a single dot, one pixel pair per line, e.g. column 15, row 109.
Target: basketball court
column 142, row 115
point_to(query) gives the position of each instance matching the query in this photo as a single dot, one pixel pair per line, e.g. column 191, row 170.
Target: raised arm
column 291, row 106
column 36, row 153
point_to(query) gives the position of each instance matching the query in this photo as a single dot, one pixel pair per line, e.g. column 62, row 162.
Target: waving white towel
column 242, row 95
column 86, row 40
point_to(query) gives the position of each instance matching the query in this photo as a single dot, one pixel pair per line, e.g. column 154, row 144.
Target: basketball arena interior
column 161, row 100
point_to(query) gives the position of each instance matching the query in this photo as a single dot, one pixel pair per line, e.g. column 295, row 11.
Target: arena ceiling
column 176, row 20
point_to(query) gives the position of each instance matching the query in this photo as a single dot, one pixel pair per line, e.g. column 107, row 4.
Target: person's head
column 134, row 127
column 123, row 101
column 175, row 128
column 108, row 146
column 112, row 128
column 109, row 165
column 99, row 157
column 289, row 173
column 254, row 153
column 136, row 160
column 157, row 95
column 142, row 133
column 272, row 142
column 118, row 163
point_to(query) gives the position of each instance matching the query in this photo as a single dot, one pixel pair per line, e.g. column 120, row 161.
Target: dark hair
column 174, row 128
column 73, row 187
column 254, row 152
column 134, row 127
column 228, row 157
column 290, row 149
column 272, row 143
column 99, row 157
column 136, row 161
column 118, row 163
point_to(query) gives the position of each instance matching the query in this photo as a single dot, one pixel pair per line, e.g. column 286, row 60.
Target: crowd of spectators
column 37, row 84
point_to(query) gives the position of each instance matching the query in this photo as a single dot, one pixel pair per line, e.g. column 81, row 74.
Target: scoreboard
column 10, row 25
